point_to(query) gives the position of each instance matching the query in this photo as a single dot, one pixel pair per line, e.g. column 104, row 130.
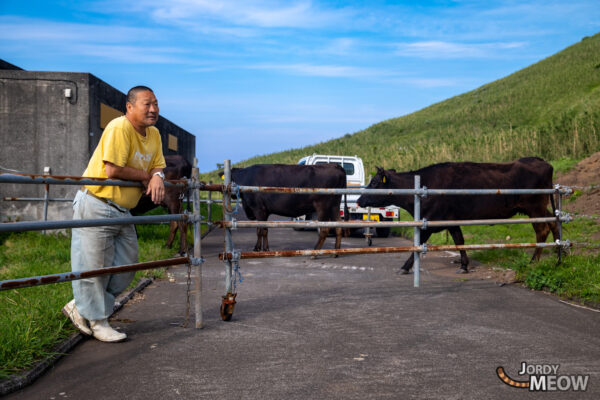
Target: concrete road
column 334, row 328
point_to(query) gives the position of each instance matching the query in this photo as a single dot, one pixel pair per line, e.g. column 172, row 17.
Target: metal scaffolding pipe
column 73, row 276
column 403, row 249
column 382, row 224
column 34, row 199
column 417, row 233
column 197, row 251
column 83, row 223
column 387, row 192
column 77, row 180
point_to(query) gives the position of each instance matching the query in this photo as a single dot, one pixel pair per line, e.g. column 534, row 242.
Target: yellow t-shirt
column 123, row 146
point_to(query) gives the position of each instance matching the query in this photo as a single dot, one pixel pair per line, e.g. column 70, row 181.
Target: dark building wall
column 101, row 92
column 40, row 126
column 7, row 65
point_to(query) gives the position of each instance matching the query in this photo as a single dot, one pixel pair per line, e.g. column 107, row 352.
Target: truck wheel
column 382, row 232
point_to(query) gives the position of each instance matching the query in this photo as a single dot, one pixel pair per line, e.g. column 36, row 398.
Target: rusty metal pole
column 417, row 233
column 228, row 301
column 559, row 221
column 197, row 247
column 46, row 196
column 209, row 204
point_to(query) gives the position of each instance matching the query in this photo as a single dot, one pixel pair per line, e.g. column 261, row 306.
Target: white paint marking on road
column 579, row 306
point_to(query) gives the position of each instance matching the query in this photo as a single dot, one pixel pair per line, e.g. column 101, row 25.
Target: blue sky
column 259, row 76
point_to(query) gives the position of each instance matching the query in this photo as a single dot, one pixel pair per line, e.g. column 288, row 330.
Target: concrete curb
column 19, row 382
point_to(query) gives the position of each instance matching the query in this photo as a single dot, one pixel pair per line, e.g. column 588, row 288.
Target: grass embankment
column 31, row 321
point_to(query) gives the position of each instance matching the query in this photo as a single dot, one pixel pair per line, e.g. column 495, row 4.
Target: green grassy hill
column 550, row 109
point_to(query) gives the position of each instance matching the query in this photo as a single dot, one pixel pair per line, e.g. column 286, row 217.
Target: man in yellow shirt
column 130, row 149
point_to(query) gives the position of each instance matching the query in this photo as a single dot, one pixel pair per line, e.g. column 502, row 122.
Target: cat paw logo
column 544, row 378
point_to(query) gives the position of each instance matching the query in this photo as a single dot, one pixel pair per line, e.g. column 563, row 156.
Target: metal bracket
column 196, row 261
column 234, row 188
column 233, row 224
column 563, row 216
column 424, row 226
column 568, row 190
column 565, row 244
column 236, row 255
column 423, row 192
column 191, row 218
column 424, row 246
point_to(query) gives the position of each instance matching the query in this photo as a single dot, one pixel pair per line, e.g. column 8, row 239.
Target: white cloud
column 111, row 43
column 447, row 50
column 250, row 13
column 331, row 71
column 23, row 29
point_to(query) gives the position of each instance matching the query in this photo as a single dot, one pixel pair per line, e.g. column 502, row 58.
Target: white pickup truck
column 355, row 177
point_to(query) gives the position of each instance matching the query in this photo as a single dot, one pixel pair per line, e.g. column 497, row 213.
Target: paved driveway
column 332, row 328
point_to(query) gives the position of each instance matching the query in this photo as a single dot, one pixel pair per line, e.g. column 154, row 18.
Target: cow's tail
column 346, row 216
column 187, row 195
column 552, row 203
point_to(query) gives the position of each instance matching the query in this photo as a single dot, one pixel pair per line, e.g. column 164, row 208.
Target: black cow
column 258, row 206
column 526, row 173
column 177, row 168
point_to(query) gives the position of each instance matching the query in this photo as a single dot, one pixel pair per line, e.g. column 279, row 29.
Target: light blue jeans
column 98, row 247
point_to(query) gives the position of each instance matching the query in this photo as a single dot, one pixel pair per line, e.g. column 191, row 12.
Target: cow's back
column 283, row 175
column 525, row 173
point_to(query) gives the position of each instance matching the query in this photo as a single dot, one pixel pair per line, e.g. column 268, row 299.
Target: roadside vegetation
column 31, row 321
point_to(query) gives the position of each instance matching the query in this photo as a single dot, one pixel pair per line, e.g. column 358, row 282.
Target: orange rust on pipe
column 29, row 282
column 212, row 188
column 372, row 250
column 136, row 267
column 79, row 178
column 93, row 273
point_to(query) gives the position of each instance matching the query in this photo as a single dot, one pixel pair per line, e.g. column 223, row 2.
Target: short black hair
column 132, row 93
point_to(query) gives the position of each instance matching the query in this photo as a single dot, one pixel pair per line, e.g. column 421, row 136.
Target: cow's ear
column 385, row 177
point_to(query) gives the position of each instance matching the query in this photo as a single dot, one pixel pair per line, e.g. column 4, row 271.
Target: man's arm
column 153, row 183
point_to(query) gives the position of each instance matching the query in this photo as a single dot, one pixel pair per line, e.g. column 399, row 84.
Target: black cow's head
column 381, row 180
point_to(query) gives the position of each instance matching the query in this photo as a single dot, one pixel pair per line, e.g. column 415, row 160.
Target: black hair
column 132, row 93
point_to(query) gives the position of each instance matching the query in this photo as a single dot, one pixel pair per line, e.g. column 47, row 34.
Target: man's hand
column 156, row 189
column 153, row 183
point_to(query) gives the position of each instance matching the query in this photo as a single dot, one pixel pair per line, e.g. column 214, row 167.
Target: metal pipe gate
column 230, row 256
column 195, row 260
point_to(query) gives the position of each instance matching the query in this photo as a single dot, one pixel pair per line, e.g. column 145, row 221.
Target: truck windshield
column 348, row 167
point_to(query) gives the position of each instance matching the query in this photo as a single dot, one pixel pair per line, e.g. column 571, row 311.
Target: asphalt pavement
column 335, row 328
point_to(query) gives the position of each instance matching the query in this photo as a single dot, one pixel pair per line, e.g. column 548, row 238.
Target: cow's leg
column 409, row 263
column 265, row 239
column 183, row 249
column 323, row 233
column 172, row 230
column 258, row 245
column 338, row 238
column 338, row 231
column 458, row 238
column 542, row 230
column 541, row 233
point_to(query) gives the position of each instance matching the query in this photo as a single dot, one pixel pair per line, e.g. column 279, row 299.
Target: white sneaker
column 80, row 323
column 105, row 333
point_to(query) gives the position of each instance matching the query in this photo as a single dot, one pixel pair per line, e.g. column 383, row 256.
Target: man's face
column 144, row 110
